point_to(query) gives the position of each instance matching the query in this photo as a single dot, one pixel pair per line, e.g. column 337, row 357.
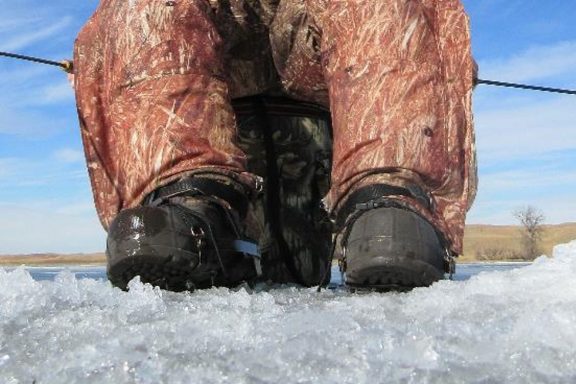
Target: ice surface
column 516, row 326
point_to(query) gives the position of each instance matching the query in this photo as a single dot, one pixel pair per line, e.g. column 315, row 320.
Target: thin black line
column 525, row 86
column 34, row 59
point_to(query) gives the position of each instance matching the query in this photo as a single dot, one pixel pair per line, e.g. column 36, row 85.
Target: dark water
column 463, row 271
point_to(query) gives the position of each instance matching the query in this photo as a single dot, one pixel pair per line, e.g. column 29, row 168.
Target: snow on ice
column 515, row 326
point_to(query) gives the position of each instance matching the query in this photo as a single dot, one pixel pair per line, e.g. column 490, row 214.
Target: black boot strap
column 362, row 197
column 204, row 186
column 243, row 245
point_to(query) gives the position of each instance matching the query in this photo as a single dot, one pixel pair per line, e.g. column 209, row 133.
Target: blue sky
column 526, row 141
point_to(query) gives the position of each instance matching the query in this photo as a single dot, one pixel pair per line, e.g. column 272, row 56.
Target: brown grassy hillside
column 52, row 259
column 496, row 242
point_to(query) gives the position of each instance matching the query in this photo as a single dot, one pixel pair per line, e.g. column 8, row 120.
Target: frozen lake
column 464, row 271
column 493, row 324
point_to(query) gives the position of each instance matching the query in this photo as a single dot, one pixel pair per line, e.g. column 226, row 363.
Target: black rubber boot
column 186, row 241
column 387, row 246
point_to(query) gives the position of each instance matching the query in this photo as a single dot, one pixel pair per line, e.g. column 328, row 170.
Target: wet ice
column 512, row 326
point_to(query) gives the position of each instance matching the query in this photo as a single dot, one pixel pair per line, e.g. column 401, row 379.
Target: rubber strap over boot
column 374, row 192
column 203, row 186
column 193, row 186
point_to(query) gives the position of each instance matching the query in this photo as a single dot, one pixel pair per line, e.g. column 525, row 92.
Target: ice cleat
column 186, row 236
column 387, row 246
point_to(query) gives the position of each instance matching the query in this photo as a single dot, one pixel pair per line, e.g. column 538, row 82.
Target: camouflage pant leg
column 154, row 83
column 153, row 99
column 399, row 77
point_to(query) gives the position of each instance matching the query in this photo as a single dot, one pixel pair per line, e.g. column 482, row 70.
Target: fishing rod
column 68, row 67
column 65, row 65
column 525, row 86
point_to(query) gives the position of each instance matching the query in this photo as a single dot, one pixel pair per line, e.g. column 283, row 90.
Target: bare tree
column 531, row 220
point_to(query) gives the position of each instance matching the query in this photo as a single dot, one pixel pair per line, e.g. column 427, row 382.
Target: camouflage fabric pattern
column 291, row 150
column 155, row 81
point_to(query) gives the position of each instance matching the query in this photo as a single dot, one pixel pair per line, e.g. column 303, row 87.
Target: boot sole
column 178, row 271
column 402, row 276
column 393, row 249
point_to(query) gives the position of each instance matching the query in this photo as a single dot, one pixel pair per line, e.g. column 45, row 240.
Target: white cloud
column 34, row 35
column 69, row 155
column 536, row 63
column 547, row 183
column 56, row 93
column 24, row 112
column 527, row 179
column 526, row 140
column 30, row 124
column 38, row 227
column 17, row 76
column 556, row 210
column 37, row 111
column 23, row 172
column 76, row 208
column 485, row 8
column 12, row 23
column 7, row 166
column 46, row 205
column 525, row 130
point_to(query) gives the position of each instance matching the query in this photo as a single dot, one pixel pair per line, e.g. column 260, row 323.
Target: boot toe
column 393, row 249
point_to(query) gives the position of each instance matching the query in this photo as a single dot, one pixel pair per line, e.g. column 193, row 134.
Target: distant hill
column 481, row 243
column 504, row 242
column 53, row 259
